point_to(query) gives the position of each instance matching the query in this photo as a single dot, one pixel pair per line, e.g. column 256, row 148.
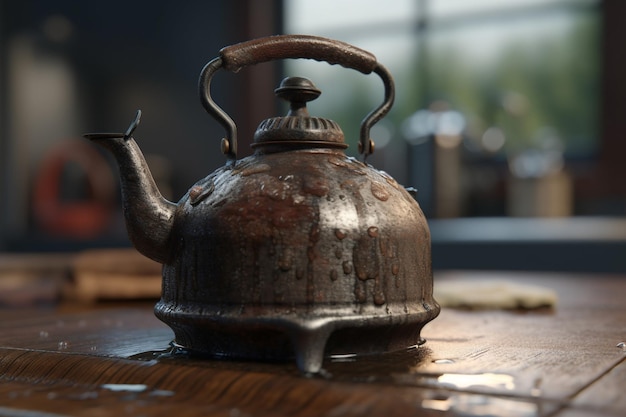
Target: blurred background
column 508, row 118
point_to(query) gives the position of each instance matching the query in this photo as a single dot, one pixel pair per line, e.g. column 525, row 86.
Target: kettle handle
column 235, row 57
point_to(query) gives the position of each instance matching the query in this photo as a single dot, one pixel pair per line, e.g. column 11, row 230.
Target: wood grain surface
column 116, row 360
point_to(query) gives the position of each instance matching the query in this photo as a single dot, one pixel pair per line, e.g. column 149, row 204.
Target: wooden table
column 110, row 360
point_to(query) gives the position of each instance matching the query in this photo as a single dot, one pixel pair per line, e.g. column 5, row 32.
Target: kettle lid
column 297, row 129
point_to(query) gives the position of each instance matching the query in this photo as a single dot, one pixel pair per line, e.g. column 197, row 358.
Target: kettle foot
column 309, row 346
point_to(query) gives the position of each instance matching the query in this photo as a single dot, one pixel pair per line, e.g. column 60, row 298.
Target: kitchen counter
column 112, row 359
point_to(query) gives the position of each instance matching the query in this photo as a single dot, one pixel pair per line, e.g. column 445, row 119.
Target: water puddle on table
column 137, row 388
column 165, row 353
column 475, row 383
column 482, row 405
column 477, row 394
column 485, row 380
column 345, row 367
column 125, row 387
column 401, row 368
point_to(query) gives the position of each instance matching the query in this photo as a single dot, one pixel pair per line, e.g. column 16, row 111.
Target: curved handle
column 272, row 48
column 257, row 51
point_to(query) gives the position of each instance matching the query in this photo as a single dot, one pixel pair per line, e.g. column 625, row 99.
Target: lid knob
column 297, row 130
column 297, row 91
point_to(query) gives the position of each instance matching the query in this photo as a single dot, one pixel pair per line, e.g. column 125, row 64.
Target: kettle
column 295, row 252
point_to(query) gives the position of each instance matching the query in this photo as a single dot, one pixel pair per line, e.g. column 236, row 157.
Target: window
column 517, row 83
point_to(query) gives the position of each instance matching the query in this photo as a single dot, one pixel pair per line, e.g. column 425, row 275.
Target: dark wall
column 123, row 56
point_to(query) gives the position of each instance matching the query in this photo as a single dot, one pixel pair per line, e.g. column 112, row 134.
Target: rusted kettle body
column 295, row 251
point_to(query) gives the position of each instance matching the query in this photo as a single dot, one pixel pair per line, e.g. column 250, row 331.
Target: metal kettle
column 296, row 251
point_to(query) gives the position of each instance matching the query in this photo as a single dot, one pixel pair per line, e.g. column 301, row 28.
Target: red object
column 77, row 219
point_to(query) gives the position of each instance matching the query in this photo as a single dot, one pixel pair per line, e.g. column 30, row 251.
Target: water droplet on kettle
column 284, row 265
column 299, row 273
column 195, row 191
column 365, row 258
column 255, row 169
column 63, row 345
column 340, row 234
column 310, row 253
column 359, row 293
column 390, row 180
column 333, row 275
column 199, row 192
column 347, row 267
column 378, row 190
column 338, row 162
column 338, row 253
column 379, row 298
column 43, row 334
column 412, row 191
column 372, row 231
column 395, row 269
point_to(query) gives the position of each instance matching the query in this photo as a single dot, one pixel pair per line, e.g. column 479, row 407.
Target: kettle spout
column 149, row 216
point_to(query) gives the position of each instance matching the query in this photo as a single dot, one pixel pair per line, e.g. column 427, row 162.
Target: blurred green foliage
column 531, row 85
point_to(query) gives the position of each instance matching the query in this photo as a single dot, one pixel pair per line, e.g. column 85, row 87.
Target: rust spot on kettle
column 350, row 185
column 315, row 186
column 365, row 257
